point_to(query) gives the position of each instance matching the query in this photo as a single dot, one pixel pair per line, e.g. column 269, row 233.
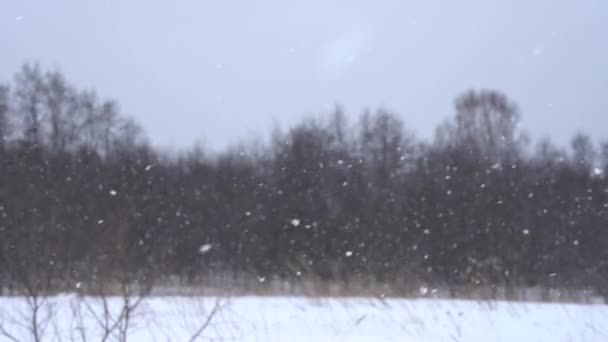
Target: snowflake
column 206, row 248
column 424, row 290
column 537, row 51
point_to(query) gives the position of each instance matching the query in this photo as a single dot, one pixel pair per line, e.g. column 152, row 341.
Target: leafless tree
column 199, row 317
column 62, row 108
column 31, row 318
column 584, row 153
column 4, row 115
column 486, row 124
column 29, row 92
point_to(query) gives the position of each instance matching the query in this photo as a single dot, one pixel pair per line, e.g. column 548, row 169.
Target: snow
column 341, row 52
column 206, row 248
column 295, row 222
column 537, row 51
column 296, row 319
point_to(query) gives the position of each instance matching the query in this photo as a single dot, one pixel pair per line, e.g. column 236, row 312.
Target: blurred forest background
column 86, row 203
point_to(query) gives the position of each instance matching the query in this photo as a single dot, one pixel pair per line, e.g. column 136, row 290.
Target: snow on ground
column 339, row 319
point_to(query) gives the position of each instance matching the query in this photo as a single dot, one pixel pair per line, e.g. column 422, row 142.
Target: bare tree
column 203, row 315
column 60, row 102
column 29, row 92
column 32, row 318
column 386, row 145
column 584, row 153
column 4, row 116
column 128, row 136
column 88, row 106
column 486, row 123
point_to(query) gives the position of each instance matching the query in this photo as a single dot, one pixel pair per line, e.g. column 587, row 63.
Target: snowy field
column 304, row 319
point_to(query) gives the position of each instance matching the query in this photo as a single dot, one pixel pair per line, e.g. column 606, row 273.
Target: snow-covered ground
column 338, row 319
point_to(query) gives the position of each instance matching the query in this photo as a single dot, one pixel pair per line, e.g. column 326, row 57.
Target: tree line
column 85, row 201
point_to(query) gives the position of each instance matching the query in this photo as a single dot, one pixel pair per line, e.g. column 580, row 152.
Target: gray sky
column 218, row 71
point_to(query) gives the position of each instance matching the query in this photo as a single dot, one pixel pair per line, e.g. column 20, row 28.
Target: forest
column 87, row 203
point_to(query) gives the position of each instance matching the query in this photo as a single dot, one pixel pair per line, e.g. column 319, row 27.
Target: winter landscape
column 332, row 233
column 322, row 319
column 319, row 171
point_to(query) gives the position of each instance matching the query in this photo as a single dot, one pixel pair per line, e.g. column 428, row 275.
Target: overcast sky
column 217, row 71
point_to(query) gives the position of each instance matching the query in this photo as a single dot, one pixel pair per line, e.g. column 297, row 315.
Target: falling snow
column 206, row 248
column 537, row 51
column 424, row 290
